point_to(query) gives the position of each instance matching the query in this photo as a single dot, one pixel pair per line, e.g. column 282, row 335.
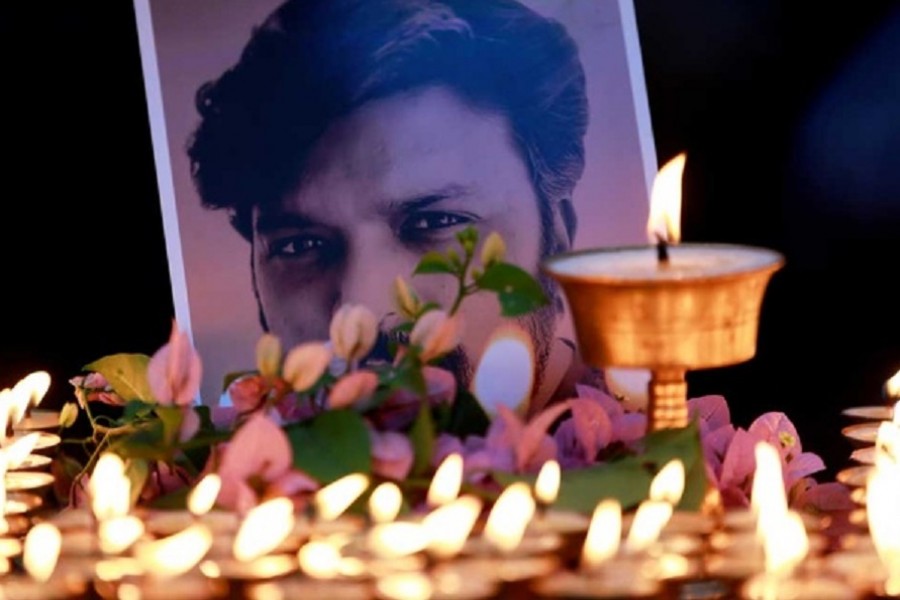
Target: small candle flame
column 509, row 517
column 668, row 485
column 18, row 451
column 117, row 535
column 203, row 496
column 664, row 223
column 393, row 540
column 332, row 500
column 892, row 388
column 109, row 488
column 785, row 544
column 405, row 586
column 448, row 527
column 320, row 560
column 32, row 388
column 882, row 502
column 767, row 498
column 41, row 551
column 447, row 480
column 649, row 520
column 546, row 487
column 19, row 399
column 176, row 554
column 264, row 528
column 604, row 534
column 385, row 502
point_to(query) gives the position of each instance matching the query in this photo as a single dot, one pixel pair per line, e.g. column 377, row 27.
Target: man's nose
column 369, row 278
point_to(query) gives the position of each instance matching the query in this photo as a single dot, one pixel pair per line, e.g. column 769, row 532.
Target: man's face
column 394, row 179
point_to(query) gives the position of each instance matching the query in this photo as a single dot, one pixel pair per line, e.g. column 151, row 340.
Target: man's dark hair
column 313, row 61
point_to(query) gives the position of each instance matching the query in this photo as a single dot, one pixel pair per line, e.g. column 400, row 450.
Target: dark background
column 789, row 113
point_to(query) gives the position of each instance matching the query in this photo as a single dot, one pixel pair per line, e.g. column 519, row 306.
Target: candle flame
column 117, row 535
column 883, row 509
column 33, row 387
column 41, row 551
column 176, row 554
column 892, row 388
column 447, row 480
column 668, row 485
column 785, row 544
column 393, row 540
column 320, row 560
column 264, row 528
column 604, row 534
column 887, row 445
column 648, row 523
column 546, row 487
column 664, row 222
column 767, row 496
column 18, row 451
column 18, row 399
column 405, row 586
column 109, row 488
column 448, row 527
column 203, row 496
column 509, row 517
column 385, row 502
column 333, row 499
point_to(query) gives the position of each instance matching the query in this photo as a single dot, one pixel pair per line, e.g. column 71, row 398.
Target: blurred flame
column 320, row 560
column 114, row 569
column 447, row 480
column 18, row 451
column 668, row 485
column 767, row 497
column 405, row 586
column 883, row 507
column 6, row 413
column 33, row 387
column 203, row 496
column 264, row 528
column 448, row 527
column 546, row 487
column 18, row 400
column 648, row 523
column 332, row 500
column 785, row 544
column 118, row 534
column 892, row 389
column 664, row 221
column 509, row 517
column 176, row 554
column 109, row 488
column 393, row 540
column 385, row 502
column 887, row 445
column 41, row 551
column 604, row 534
column 896, row 419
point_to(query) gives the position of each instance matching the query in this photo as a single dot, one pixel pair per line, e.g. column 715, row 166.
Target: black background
column 789, row 113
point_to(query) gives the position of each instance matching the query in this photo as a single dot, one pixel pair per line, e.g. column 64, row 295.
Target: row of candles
column 454, row 547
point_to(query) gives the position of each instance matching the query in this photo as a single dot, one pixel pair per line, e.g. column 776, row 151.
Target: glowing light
column 176, row 554
column 447, row 480
column 509, row 517
column 320, row 560
column 892, row 389
column 604, row 534
column 648, row 523
column 385, row 502
column 767, row 496
column 109, row 488
column 449, row 526
column 18, row 451
column 546, row 487
column 32, row 388
column 668, row 485
column 393, row 540
column 264, row 528
column 41, row 551
column 118, row 534
column 785, row 544
column 882, row 502
column 334, row 499
column 405, row 586
column 203, row 496
column 664, row 222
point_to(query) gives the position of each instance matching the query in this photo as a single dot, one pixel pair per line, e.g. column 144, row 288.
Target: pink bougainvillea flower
column 738, row 467
column 777, row 429
column 392, row 454
column 164, row 478
column 353, row 331
column 175, row 370
column 810, row 495
column 305, row 364
column 512, row 445
column 436, row 333
column 352, row 388
column 256, row 463
column 190, row 425
column 94, row 387
column 627, row 427
column 581, row 437
column 710, row 411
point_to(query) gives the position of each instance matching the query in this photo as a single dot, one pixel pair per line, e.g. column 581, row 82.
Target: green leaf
column 176, row 500
column 518, row 292
column 628, row 479
column 137, row 471
column 434, row 262
column 422, row 437
column 136, row 409
column 334, row 444
column 146, row 442
column 171, row 417
column 126, row 373
column 466, row 417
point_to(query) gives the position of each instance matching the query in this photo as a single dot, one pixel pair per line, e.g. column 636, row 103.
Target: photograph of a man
column 349, row 137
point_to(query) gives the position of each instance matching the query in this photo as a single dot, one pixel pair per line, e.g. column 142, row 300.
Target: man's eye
column 307, row 250
column 295, row 246
column 422, row 226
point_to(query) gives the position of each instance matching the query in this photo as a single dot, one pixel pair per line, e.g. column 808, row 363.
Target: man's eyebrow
column 425, row 199
column 273, row 221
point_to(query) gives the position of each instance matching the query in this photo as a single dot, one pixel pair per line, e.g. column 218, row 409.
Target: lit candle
column 883, row 508
column 446, row 482
column 32, row 388
column 569, row 524
column 385, row 502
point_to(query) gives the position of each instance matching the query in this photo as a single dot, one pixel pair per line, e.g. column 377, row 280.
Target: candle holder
column 698, row 310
